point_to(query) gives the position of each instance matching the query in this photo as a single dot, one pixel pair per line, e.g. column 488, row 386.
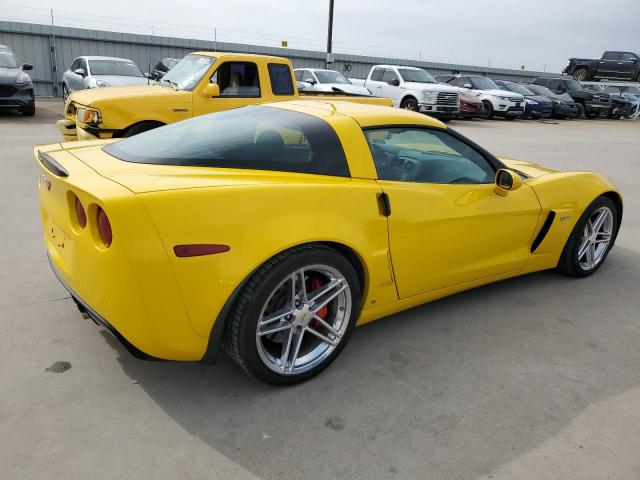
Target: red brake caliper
column 322, row 313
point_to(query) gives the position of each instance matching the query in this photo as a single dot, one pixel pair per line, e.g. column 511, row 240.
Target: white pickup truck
column 413, row 89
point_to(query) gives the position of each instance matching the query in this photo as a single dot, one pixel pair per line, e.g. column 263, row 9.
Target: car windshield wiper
column 170, row 82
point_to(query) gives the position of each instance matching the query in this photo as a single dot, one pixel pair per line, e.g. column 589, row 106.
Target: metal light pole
column 330, row 35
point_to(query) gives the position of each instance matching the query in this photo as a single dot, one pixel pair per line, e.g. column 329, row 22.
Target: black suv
column 590, row 104
column 16, row 87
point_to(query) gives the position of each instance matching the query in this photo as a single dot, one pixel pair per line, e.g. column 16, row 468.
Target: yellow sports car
column 273, row 230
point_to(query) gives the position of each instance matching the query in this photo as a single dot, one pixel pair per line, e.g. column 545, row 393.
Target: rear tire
column 275, row 289
column 574, row 260
column 581, row 74
column 488, row 109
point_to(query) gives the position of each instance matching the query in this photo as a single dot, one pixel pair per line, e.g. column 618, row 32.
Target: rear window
column 259, row 138
column 281, row 83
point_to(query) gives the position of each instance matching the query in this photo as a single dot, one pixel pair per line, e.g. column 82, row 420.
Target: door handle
column 384, row 204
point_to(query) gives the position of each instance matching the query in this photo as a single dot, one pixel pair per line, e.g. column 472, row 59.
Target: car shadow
column 451, row 389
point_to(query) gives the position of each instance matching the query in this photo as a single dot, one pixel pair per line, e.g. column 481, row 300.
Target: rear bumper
column 16, row 96
column 88, row 311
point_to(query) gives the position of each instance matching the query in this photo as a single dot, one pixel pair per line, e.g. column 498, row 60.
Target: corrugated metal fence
column 52, row 49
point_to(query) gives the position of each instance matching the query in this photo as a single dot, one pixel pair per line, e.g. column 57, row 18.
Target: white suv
column 414, row 89
column 496, row 102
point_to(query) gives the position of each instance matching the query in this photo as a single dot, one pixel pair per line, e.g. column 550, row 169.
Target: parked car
column 496, row 102
column 100, row 72
column 149, row 234
column 162, row 67
column 613, row 65
column 321, row 80
column 536, row 106
column 629, row 93
column 471, row 107
column 563, row 104
column 413, row 89
column 202, row 82
column 590, row 104
column 16, row 86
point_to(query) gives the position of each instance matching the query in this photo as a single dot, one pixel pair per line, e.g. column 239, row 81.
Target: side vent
column 543, row 231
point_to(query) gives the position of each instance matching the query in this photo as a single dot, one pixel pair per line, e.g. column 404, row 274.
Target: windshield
column 8, row 59
column 540, row 90
column 329, row 76
column 483, row 83
column 420, row 76
column 521, row 89
column 573, row 85
column 188, row 72
column 114, row 67
column 622, row 89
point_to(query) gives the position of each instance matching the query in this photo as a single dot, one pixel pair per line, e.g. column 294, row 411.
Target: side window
column 237, row 79
column 426, row 156
column 308, row 76
column 627, row 57
column 376, row 75
column 554, row 84
column 612, row 56
column 75, row 65
column 280, row 75
column 84, row 66
column 389, row 76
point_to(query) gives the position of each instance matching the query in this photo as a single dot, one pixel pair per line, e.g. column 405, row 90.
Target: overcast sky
column 511, row 33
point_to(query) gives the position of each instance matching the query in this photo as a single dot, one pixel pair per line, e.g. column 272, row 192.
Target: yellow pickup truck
column 202, row 82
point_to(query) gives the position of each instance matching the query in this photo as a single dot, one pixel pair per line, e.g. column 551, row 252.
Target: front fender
column 567, row 194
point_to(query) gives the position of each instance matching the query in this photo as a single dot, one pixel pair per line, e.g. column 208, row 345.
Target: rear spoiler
column 52, row 165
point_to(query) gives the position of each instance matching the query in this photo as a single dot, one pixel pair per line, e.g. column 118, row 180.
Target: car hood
column 530, row 169
column 136, row 94
column 539, row 98
column 341, row 87
column 434, row 87
column 502, row 93
column 121, row 80
column 9, row 74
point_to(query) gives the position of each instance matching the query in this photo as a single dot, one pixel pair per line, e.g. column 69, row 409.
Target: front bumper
column 72, row 131
column 446, row 111
column 16, row 95
column 564, row 110
column 538, row 111
column 591, row 108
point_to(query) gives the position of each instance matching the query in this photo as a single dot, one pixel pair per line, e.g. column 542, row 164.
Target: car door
column 390, row 86
column 239, row 84
column 374, row 82
column 610, row 65
column 447, row 226
column 73, row 80
column 628, row 63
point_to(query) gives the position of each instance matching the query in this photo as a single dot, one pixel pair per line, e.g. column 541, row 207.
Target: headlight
column 88, row 116
column 101, row 84
column 530, row 101
column 22, row 78
column 428, row 96
column 504, row 99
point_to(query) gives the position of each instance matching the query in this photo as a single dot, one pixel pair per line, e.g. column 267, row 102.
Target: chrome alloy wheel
column 596, row 237
column 303, row 319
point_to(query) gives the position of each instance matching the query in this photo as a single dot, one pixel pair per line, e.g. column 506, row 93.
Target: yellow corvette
column 273, row 230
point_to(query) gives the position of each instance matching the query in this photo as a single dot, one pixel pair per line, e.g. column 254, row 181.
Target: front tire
column 581, row 75
column 410, row 104
column 579, row 111
column 140, row 128
column 591, row 239
column 488, row 109
column 65, row 92
column 294, row 315
column 29, row 110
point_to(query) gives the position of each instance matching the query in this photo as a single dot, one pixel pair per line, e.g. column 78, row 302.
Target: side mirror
column 467, row 85
column 395, row 82
column 79, row 71
column 27, row 66
column 506, row 181
column 148, row 75
column 310, row 81
column 211, row 90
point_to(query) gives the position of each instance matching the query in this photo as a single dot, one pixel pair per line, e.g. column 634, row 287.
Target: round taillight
column 81, row 215
column 104, row 227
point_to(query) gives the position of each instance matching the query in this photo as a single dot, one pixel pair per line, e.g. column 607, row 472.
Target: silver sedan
column 99, row 72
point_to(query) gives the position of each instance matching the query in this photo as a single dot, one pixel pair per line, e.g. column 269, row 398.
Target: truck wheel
column 410, row 104
column 581, row 74
column 29, row 110
column 140, row 127
column 488, row 109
